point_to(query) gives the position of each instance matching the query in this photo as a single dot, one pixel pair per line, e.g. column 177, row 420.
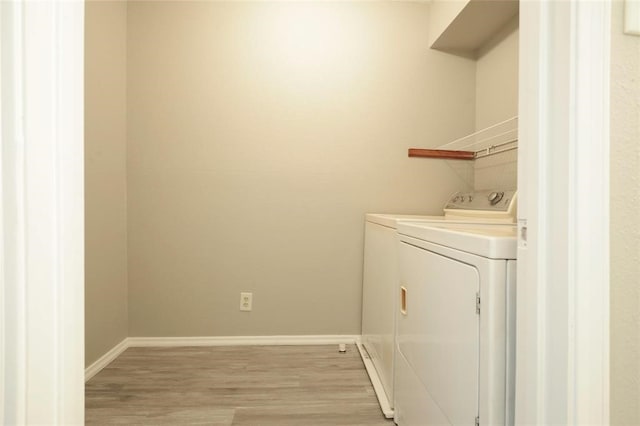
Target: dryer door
column 439, row 335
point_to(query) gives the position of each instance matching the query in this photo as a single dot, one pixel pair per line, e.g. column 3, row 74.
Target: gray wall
column 625, row 223
column 105, row 178
column 496, row 101
column 259, row 134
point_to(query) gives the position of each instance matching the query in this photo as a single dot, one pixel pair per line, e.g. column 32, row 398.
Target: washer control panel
column 497, row 200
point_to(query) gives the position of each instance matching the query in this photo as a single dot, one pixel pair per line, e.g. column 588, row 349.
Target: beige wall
column 259, row 135
column 496, row 101
column 105, row 178
column 625, row 224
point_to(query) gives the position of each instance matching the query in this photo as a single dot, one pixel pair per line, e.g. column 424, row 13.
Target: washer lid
column 494, row 241
column 391, row 220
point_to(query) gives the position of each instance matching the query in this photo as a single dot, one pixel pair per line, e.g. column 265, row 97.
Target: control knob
column 495, row 197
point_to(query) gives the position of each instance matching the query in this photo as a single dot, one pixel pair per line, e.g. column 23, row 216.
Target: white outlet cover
column 632, row 17
column 246, row 301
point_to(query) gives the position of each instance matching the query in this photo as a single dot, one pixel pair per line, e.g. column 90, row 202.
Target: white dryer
column 380, row 277
column 455, row 343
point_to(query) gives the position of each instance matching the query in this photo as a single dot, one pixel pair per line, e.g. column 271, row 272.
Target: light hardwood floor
column 234, row 385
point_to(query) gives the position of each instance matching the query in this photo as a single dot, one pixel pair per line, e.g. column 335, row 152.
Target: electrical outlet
column 246, row 301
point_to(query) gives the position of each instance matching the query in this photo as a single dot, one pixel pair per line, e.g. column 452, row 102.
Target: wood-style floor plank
column 234, row 386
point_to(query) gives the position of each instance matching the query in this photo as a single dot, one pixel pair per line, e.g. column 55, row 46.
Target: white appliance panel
column 439, row 336
column 391, row 220
column 378, row 300
column 510, row 343
column 497, row 321
column 495, row 241
column 380, row 277
column 417, row 404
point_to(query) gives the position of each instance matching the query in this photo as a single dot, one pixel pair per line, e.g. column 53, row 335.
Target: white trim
column 563, row 284
column 2, row 255
column 14, row 392
column 241, row 340
column 69, row 233
column 106, row 359
column 43, row 212
column 383, row 401
column 589, row 210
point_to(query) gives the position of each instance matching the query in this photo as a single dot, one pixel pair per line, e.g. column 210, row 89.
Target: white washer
column 379, row 295
column 380, row 277
column 455, row 341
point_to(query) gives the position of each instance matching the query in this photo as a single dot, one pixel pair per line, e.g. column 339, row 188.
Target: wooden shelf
column 442, row 153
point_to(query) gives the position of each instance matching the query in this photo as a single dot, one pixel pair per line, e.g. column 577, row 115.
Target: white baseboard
column 139, row 342
column 241, row 340
column 105, row 359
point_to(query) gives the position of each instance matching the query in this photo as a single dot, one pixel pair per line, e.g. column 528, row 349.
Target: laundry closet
column 212, row 261
column 234, row 148
column 434, row 357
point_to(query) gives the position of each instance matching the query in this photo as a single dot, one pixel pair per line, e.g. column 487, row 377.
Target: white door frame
column 42, row 213
column 563, row 294
column 563, row 173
